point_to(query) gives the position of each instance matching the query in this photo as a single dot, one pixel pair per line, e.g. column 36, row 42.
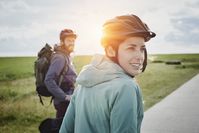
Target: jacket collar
column 58, row 48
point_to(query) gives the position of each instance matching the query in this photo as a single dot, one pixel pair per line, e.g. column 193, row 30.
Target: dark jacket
column 58, row 60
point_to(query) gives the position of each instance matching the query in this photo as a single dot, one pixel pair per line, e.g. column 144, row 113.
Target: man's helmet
column 67, row 32
column 125, row 26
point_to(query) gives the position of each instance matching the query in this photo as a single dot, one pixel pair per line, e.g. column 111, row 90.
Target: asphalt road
column 177, row 113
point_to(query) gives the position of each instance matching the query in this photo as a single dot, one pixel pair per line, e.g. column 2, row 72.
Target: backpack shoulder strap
column 65, row 68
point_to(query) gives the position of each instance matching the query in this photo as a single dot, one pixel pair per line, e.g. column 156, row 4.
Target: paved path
column 177, row 113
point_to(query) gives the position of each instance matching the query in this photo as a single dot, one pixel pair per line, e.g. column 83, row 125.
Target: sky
column 26, row 25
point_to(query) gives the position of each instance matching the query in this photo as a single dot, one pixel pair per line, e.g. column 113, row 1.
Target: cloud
column 15, row 13
column 194, row 4
column 29, row 24
column 185, row 24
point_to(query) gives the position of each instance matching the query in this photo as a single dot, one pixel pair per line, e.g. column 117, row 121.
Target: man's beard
column 69, row 48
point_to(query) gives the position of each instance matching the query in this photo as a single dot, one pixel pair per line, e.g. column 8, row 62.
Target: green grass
column 12, row 68
column 16, row 67
column 79, row 62
column 20, row 108
column 182, row 57
column 159, row 80
column 21, row 111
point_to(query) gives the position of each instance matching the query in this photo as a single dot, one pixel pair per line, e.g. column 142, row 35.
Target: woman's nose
column 139, row 56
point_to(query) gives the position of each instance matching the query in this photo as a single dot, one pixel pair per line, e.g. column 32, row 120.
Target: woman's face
column 131, row 55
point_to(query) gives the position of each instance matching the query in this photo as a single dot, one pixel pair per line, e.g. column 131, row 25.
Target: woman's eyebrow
column 132, row 45
column 135, row 45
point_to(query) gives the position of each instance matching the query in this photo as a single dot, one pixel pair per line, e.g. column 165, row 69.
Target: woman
column 107, row 99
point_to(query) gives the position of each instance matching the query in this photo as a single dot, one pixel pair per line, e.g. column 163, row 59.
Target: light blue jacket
column 106, row 100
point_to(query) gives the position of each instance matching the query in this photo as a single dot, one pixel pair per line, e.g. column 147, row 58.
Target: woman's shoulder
column 123, row 84
column 125, row 81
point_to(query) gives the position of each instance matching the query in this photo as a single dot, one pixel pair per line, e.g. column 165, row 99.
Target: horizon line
column 93, row 54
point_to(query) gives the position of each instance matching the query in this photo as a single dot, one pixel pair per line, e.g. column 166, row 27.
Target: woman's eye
column 131, row 48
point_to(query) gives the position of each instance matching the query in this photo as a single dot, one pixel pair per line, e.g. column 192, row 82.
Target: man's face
column 69, row 43
column 131, row 55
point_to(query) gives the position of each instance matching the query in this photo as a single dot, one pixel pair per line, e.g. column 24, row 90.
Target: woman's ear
column 110, row 52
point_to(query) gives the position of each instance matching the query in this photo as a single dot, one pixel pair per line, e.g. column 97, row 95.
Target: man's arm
column 56, row 66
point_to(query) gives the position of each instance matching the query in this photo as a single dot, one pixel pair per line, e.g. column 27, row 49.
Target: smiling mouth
column 136, row 66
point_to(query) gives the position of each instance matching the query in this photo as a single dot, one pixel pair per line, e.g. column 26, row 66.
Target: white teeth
column 137, row 65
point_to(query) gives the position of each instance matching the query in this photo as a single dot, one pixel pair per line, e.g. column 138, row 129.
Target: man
column 61, row 65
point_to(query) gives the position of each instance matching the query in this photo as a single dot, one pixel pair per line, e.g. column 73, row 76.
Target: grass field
column 21, row 111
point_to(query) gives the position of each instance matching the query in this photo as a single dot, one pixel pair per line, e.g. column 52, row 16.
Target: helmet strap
column 145, row 60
